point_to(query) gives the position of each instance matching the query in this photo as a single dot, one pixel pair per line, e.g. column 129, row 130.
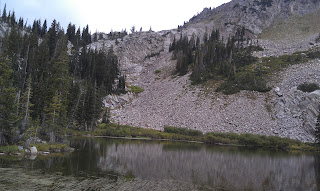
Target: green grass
column 50, row 147
column 9, row 149
column 182, row 134
column 137, row 132
column 252, row 140
column 136, row 89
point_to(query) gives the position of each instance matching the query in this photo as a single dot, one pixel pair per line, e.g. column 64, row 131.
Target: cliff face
column 173, row 101
column 255, row 15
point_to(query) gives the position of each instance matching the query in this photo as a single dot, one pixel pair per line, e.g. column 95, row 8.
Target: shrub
column 210, row 138
column 50, row 147
column 136, row 89
column 182, row 131
column 157, row 71
column 9, row 149
column 308, row 87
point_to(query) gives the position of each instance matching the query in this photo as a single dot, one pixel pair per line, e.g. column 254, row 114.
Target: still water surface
column 114, row 164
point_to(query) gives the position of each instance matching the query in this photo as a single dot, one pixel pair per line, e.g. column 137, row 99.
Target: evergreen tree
column 13, row 19
column 4, row 13
column 7, row 105
column 20, row 23
column 71, row 33
column 317, row 130
column 53, row 113
column 122, row 84
column 95, row 37
column 43, row 29
column 53, row 37
column 77, row 40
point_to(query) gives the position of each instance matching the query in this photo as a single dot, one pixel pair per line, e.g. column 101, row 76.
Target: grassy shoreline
column 181, row 134
column 41, row 148
column 173, row 134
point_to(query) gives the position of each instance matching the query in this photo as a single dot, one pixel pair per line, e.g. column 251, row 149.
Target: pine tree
column 13, row 19
column 43, row 29
column 317, row 130
column 53, row 113
column 133, row 29
column 7, row 105
column 71, row 32
column 95, row 37
column 4, row 13
column 53, row 37
column 122, row 84
column 20, row 23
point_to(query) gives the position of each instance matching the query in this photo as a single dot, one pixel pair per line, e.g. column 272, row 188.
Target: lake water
column 115, row 164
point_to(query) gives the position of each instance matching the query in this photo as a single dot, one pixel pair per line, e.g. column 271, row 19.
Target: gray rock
column 278, row 92
column 33, row 150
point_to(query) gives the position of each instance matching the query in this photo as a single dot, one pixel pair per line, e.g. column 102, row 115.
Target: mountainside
column 171, row 100
column 255, row 15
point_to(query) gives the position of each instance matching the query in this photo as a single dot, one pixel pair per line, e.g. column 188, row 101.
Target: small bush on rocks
column 308, row 87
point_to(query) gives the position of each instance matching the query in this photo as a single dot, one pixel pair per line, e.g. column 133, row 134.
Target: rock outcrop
column 253, row 14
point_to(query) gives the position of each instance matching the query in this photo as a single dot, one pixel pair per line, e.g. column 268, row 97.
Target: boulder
column 278, row 92
column 33, row 150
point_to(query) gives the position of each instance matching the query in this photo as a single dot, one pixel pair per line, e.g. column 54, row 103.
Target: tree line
column 51, row 81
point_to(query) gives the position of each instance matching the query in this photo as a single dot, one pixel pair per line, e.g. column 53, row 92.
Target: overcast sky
column 106, row 15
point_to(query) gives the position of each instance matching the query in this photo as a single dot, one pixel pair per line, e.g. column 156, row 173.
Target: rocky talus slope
column 172, row 100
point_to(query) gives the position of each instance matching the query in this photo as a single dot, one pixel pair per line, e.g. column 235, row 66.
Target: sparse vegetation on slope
column 136, row 89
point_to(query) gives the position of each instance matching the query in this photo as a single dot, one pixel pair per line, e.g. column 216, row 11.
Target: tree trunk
column 18, row 100
column 25, row 68
column 25, row 119
column 52, row 137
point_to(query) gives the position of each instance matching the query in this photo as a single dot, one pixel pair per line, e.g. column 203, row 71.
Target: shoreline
column 115, row 131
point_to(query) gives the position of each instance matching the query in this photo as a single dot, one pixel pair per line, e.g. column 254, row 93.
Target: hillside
column 172, row 100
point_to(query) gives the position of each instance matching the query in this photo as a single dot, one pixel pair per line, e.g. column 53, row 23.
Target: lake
column 117, row 164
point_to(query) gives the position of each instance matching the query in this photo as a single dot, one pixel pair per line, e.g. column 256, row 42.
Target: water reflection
column 217, row 167
column 136, row 163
